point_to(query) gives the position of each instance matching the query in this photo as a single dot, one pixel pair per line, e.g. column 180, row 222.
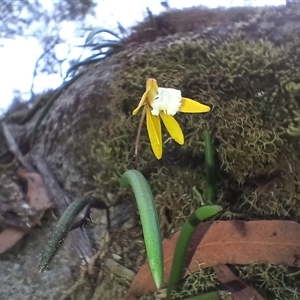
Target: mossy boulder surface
column 244, row 79
column 245, row 65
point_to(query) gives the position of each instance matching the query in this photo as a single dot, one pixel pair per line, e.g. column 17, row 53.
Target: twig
column 79, row 284
column 13, row 147
column 78, row 236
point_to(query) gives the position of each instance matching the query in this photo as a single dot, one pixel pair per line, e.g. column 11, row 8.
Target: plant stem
column 184, row 238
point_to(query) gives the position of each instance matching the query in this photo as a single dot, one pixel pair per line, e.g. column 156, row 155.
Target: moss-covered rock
column 246, row 67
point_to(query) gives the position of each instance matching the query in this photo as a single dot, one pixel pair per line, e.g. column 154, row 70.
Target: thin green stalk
column 149, row 219
column 210, row 191
column 184, row 238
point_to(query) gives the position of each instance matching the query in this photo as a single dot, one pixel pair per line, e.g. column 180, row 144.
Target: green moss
column 274, row 282
column 230, row 77
column 200, row 282
column 244, row 82
column 293, row 88
column 248, row 85
column 172, row 187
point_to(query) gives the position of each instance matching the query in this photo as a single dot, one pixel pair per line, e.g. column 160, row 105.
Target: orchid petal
column 173, row 127
column 154, row 132
column 149, row 95
column 142, row 102
column 152, row 88
column 192, row 106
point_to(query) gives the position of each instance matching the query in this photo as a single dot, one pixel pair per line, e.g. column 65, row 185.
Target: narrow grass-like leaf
column 90, row 45
column 62, row 228
column 149, row 220
column 114, row 45
column 99, row 30
column 184, row 238
column 107, row 44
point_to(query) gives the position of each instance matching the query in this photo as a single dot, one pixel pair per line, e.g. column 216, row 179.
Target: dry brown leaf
column 229, row 242
column 38, row 200
column 230, row 282
column 37, row 196
column 10, row 236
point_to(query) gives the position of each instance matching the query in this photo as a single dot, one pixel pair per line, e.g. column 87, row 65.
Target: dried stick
column 13, row 147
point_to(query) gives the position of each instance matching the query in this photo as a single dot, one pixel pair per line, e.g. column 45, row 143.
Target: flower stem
column 138, row 135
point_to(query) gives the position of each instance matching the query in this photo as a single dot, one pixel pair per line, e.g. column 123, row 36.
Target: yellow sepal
column 173, row 128
column 142, row 102
column 149, row 95
column 192, row 106
column 154, row 132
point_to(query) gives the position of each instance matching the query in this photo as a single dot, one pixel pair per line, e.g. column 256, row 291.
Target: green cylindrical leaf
column 149, row 219
column 184, row 238
column 61, row 229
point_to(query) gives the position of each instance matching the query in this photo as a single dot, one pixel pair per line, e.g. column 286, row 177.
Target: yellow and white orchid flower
column 164, row 103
